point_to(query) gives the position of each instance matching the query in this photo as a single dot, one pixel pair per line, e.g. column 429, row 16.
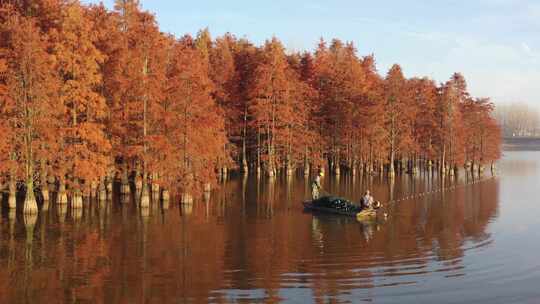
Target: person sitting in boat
column 367, row 200
column 316, row 186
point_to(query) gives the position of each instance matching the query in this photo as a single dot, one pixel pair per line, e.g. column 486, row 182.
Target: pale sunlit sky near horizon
column 495, row 44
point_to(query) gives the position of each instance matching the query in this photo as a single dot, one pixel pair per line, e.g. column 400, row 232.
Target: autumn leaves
column 28, row 102
column 89, row 97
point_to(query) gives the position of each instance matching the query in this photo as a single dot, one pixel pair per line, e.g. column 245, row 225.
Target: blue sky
column 494, row 43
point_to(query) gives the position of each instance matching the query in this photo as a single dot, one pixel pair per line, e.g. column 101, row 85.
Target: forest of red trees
column 90, row 96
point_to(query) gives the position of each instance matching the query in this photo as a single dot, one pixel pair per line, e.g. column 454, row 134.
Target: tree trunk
column 165, row 199
column 258, row 151
column 44, row 185
column 12, row 199
column 391, row 171
column 290, row 169
column 186, row 198
column 145, row 194
column 271, row 160
column 77, row 200
column 141, row 184
column 109, row 185
column 155, row 185
column 45, row 194
column 62, row 195
column 94, row 189
column 245, row 168
column 30, row 204
column 102, row 190
column 415, row 164
column 76, row 197
column 224, row 174
column 138, row 181
column 306, row 163
column 165, row 196
column 125, row 180
column 443, row 161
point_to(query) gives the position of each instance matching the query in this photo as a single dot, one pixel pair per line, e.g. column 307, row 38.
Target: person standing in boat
column 316, row 185
column 367, row 200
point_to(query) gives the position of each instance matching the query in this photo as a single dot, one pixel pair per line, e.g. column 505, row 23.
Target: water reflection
column 249, row 241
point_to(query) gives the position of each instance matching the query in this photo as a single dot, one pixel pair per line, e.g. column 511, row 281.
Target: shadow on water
column 248, row 241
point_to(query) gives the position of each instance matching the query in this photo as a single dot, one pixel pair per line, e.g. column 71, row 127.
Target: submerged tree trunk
column 145, row 194
column 186, row 198
column 245, row 168
column 109, row 184
column 138, row 181
column 207, row 188
column 271, row 134
column 306, row 163
column 44, row 185
column 415, row 164
column 337, row 163
column 102, row 190
column 258, row 151
column 289, row 166
column 76, row 197
column 94, row 185
column 143, row 181
column 155, row 185
column 30, row 204
column 62, row 195
column 12, row 198
column 391, row 169
column 165, row 199
column 124, row 188
column 443, row 161
column 165, row 196
column 225, row 173
column 45, row 195
column 353, row 166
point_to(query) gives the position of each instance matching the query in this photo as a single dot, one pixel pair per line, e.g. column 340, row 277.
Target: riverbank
column 521, row 143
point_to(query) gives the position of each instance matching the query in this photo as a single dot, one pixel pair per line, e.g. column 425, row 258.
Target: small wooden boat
column 325, row 204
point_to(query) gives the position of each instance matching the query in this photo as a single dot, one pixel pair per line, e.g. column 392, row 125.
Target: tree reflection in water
column 248, row 240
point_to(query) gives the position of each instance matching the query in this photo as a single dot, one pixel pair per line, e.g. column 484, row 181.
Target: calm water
column 252, row 242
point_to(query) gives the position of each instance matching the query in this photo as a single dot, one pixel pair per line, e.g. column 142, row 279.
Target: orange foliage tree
column 450, row 124
column 278, row 108
column 30, row 98
column 397, row 114
column 91, row 96
column 85, row 149
column 187, row 145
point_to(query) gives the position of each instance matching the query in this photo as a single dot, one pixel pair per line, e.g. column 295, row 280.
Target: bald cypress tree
column 31, row 98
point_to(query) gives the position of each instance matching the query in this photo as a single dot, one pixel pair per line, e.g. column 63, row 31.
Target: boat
column 341, row 206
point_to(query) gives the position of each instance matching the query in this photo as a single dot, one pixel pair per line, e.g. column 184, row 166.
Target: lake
column 464, row 241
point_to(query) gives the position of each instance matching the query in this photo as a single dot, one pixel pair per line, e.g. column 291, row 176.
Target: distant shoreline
column 521, row 143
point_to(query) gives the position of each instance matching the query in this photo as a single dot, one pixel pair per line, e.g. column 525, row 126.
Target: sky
column 495, row 44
